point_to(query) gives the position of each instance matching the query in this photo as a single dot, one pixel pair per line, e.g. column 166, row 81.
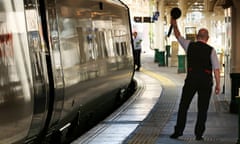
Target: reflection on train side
column 90, row 46
column 16, row 81
column 81, row 47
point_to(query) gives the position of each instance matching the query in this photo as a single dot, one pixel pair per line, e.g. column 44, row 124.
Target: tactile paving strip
column 150, row 129
column 192, row 138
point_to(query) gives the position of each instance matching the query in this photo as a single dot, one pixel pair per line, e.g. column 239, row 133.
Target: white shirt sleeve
column 214, row 60
column 184, row 43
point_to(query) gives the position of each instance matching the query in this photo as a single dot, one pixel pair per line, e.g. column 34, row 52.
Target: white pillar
column 181, row 25
column 159, row 28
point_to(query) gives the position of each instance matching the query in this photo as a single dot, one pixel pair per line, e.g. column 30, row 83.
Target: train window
column 80, row 33
column 85, row 32
column 124, row 48
column 109, row 41
column 91, row 47
column 69, row 45
column 75, row 43
column 104, row 42
column 101, row 44
column 120, row 39
column 118, row 48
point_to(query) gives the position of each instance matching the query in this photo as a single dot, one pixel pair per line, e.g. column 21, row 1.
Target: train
column 64, row 64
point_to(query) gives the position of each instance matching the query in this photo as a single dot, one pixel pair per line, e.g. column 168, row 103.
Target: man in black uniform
column 201, row 61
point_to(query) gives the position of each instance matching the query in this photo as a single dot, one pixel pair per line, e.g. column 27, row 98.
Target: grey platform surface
column 150, row 115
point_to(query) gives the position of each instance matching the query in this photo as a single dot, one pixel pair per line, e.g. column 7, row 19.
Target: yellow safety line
column 162, row 79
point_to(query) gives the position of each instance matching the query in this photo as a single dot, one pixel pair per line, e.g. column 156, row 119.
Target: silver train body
column 61, row 63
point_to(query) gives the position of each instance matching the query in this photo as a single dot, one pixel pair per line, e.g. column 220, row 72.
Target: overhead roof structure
column 197, row 5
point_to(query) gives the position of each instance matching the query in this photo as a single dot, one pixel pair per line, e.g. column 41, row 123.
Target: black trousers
column 137, row 58
column 203, row 86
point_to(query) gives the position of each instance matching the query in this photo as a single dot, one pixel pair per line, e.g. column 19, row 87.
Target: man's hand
column 173, row 22
column 217, row 90
column 175, row 27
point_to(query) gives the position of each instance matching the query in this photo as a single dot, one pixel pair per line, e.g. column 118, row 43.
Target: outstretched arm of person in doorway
column 217, row 79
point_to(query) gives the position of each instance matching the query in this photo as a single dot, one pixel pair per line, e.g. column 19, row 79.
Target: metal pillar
column 235, row 58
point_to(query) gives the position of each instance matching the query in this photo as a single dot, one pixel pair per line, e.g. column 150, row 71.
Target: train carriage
column 63, row 63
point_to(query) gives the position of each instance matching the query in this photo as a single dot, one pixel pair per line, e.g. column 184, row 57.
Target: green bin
column 161, row 60
column 156, row 55
column 181, row 63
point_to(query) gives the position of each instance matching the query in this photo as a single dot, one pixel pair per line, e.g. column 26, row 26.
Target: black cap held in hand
column 175, row 14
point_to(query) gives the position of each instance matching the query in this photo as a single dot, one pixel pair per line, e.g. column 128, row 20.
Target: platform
column 149, row 116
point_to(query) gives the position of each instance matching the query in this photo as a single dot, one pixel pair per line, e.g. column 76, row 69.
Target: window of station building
column 194, row 17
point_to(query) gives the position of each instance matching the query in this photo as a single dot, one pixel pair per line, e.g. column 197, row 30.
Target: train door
column 23, row 84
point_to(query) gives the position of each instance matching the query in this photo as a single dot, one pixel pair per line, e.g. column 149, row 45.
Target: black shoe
column 199, row 138
column 175, row 135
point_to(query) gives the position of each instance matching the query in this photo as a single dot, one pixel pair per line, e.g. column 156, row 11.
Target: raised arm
column 175, row 28
column 183, row 42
